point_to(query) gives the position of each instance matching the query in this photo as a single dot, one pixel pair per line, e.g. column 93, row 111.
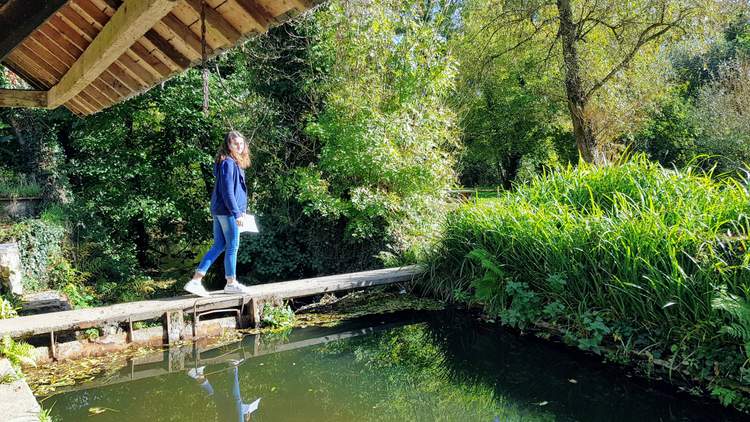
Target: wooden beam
column 257, row 12
column 138, row 311
column 23, row 98
column 184, row 33
column 133, row 19
column 303, row 5
column 216, row 21
column 19, row 18
column 166, row 48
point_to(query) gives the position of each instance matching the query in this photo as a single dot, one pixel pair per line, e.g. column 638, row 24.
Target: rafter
column 132, row 19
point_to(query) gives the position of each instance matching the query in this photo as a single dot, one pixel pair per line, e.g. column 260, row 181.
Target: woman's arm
column 227, row 188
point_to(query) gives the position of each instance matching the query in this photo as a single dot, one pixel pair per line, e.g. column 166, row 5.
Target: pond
column 429, row 366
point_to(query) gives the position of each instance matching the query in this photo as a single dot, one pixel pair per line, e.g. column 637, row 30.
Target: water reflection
column 227, row 397
column 430, row 367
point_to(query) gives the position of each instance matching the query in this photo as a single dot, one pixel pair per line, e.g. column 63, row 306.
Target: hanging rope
column 203, row 57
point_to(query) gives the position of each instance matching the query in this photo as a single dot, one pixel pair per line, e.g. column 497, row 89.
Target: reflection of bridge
column 178, row 359
column 117, row 320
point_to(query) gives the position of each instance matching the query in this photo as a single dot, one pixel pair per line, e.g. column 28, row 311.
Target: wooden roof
column 91, row 54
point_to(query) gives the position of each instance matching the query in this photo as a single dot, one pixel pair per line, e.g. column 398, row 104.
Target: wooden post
column 174, row 323
column 256, row 305
column 52, row 347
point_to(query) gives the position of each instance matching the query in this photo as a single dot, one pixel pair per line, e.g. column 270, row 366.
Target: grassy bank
column 646, row 259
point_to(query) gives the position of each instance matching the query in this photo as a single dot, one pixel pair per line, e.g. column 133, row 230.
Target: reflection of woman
column 229, row 405
column 228, row 206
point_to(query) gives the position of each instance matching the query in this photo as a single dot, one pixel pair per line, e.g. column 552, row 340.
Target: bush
column 723, row 118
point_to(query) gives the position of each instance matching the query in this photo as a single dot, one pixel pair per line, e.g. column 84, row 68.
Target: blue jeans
column 227, row 240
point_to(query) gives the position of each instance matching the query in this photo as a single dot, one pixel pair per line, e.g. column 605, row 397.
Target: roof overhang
column 91, row 54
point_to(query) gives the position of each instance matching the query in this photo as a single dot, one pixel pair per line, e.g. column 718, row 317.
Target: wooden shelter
column 88, row 55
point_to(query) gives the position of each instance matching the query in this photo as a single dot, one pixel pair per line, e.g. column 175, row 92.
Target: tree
column 598, row 42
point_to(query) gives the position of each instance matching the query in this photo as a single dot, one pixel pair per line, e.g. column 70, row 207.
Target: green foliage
column 722, row 117
column 40, row 244
column 593, row 330
column 588, row 248
column 669, row 136
column 18, row 353
column 16, row 185
column 8, row 309
column 738, row 311
column 277, row 317
column 385, row 132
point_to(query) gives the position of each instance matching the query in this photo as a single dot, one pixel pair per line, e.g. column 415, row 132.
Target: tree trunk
column 577, row 100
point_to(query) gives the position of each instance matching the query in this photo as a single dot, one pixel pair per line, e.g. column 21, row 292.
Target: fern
column 17, row 352
column 738, row 310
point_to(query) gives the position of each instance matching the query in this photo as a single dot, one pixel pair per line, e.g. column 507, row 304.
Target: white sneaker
column 236, row 288
column 195, row 287
column 196, row 372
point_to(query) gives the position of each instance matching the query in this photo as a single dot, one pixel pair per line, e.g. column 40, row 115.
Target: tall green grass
column 635, row 243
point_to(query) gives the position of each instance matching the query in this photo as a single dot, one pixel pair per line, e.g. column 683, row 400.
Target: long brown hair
column 243, row 160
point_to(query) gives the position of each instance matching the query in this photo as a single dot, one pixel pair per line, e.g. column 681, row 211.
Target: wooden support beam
column 216, row 21
column 23, row 98
column 133, row 19
column 19, row 18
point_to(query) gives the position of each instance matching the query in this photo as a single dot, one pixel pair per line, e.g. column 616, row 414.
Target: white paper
column 250, row 408
column 248, row 224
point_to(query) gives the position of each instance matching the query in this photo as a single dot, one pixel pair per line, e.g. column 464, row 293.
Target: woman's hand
column 241, row 220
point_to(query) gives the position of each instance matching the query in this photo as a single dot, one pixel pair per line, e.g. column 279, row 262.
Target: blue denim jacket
column 230, row 192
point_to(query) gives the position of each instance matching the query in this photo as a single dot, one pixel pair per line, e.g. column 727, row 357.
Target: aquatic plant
column 277, row 316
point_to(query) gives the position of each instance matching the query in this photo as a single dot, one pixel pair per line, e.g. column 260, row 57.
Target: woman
column 228, row 206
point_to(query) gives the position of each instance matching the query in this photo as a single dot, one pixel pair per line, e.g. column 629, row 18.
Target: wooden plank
column 34, row 82
column 166, row 48
column 120, row 70
column 29, row 63
column 68, row 54
column 185, row 34
column 19, row 18
column 85, row 318
column 187, row 15
column 23, row 98
column 238, row 17
column 216, row 21
column 125, row 69
column 257, row 12
column 80, row 41
column 137, row 52
column 128, row 24
column 302, row 5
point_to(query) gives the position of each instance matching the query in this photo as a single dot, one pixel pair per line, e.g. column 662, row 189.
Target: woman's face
column 237, row 145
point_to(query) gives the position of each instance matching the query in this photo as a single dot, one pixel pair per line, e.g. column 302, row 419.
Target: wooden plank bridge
column 172, row 311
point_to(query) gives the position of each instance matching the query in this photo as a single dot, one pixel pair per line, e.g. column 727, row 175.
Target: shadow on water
column 429, row 366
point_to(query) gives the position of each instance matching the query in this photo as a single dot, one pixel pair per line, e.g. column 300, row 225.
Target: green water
column 429, row 367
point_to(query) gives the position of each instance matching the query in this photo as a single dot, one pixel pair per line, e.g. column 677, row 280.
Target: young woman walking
column 228, row 206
